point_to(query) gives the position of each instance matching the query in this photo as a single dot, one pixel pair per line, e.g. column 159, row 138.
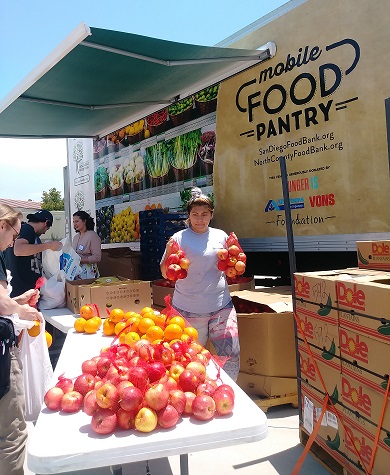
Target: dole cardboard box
column 329, row 435
column 359, row 443
column 108, row 293
column 266, row 333
column 373, row 254
column 364, row 393
column 161, row 288
column 367, row 353
column 364, row 303
column 328, row 366
column 268, row 386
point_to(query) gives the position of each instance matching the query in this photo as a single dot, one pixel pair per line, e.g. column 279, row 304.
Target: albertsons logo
column 295, row 203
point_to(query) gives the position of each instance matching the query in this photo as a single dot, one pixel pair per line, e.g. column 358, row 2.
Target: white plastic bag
column 66, row 260
column 51, row 262
column 37, row 371
column 52, row 292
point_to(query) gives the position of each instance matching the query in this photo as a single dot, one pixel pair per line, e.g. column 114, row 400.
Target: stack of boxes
column 345, row 316
column 156, row 227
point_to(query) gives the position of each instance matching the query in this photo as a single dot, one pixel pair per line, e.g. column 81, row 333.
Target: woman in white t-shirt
column 203, row 297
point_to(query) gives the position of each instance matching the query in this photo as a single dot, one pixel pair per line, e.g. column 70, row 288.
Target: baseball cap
column 41, row 216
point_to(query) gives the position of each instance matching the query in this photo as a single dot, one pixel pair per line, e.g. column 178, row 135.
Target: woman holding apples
column 203, row 297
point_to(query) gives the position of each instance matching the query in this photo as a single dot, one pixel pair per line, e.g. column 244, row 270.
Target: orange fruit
column 49, row 339
column 133, row 323
column 91, row 326
column 98, row 320
column 179, row 321
column 87, row 312
column 79, row 324
column 161, row 320
column 191, row 332
column 131, row 338
column 35, row 330
column 173, row 331
column 108, row 327
column 117, row 314
column 119, row 327
column 144, row 324
column 145, row 310
column 154, row 333
column 150, row 315
column 130, row 314
column 185, row 337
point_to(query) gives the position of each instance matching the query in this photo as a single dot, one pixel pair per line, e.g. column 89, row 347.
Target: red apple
column 145, row 420
column 136, row 361
column 65, row 384
column 201, row 358
column 156, row 396
column 241, row 256
column 172, row 259
column 205, row 388
column 177, row 399
column 240, row 267
column 71, row 401
column 222, row 265
column 139, row 377
column 226, row 387
column 223, row 254
column 189, row 400
column 173, row 271
column 168, row 382
column 90, row 405
column 117, row 375
column 89, row 366
column 53, row 398
column 224, row 401
column 125, row 419
column 164, row 353
column 107, row 396
column 122, row 385
column 203, row 407
column 155, row 370
column 167, row 417
column 181, row 253
column 104, row 421
column 188, row 381
column 231, row 261
column 231, row 272
column 197, row 368
column 175, row 371
column 184, row 263
column 206, row 353
column 182, row 274
column 234, row 250
column 84, row 383
column 99, row 383
column 130, row 398
column 102, row 366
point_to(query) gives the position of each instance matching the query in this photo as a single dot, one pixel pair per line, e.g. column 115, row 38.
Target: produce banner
column 320, row 103
column 153, row 163
column 80, row 168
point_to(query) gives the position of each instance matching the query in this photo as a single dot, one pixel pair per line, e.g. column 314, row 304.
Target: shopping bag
column 37, row 371
column 52, row 292
column 51, row 262
column 69, row 260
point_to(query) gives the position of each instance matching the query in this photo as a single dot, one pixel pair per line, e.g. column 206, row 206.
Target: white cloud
column 30, row 166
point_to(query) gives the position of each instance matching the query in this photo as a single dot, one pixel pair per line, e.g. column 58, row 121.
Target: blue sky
column 30, row 30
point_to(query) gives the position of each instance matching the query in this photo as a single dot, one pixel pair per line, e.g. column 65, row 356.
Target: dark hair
column 87, row 218
column 199, row 199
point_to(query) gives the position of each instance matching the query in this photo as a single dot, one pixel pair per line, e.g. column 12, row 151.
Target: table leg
column 116, row 469
column 184, row 464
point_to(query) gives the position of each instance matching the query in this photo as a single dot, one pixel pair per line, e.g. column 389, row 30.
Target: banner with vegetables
column 152, row 163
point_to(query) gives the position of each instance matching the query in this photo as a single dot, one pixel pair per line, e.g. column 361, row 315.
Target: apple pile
column 232, row 259
column 143, row 386
column 176, row 265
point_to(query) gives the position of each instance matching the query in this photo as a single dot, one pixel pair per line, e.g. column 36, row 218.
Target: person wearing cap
column 24, row 260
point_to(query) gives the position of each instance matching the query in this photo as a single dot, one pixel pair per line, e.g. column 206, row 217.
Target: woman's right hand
column 29, row 313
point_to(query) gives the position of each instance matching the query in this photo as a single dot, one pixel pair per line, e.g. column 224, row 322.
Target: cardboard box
column 328, row 364
column 129, row 295
column 160, row 291
column 268, row 386
column 363, row 435
column 267, row 344
column 128, row 266
column 367, row 353
column 364, row 303
column 373, row 254
column 364, row 393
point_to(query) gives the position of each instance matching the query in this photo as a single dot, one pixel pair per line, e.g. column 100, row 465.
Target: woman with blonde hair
column 13, row 429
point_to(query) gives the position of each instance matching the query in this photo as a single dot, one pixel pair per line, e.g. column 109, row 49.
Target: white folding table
column 61, row 318
column 66, row 442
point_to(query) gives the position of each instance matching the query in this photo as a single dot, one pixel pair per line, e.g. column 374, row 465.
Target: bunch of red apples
column 231, row 258
column 176, row 265
column 143, row 387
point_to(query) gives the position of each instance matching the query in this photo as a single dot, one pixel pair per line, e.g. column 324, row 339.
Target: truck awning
column 97, row 81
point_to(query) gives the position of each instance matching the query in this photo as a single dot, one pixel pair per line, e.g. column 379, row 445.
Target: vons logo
column 302, row 287
column 380, row 249
column 307, row 367
column 353, row 347
column 350, row 296
column 356, row 396
column 354, row 443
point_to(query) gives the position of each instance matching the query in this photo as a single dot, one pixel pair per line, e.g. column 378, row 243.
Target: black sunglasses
column 16, row 235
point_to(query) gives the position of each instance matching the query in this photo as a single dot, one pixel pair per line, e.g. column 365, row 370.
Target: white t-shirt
column 205, row 289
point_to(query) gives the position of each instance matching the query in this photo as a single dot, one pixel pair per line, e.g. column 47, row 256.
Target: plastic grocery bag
column 52, row 292
column 37, row 371
column 66, row 259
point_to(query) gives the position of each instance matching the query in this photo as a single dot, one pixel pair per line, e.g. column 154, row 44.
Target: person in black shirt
column 24, row 260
